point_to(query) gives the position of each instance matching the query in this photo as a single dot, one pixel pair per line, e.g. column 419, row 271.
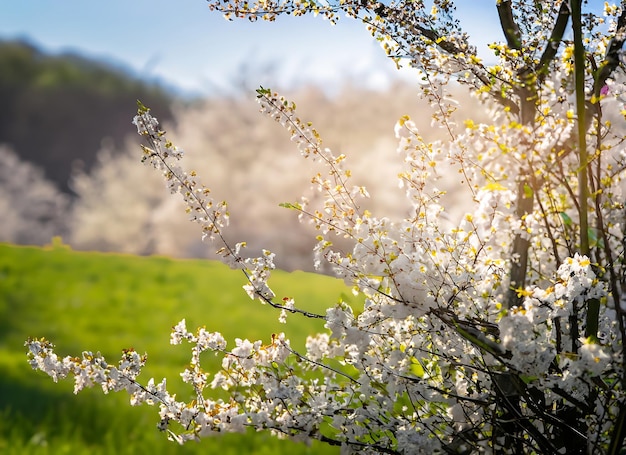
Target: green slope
column 104, row 302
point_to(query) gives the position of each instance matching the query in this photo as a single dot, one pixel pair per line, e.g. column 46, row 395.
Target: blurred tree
column 33, row 209
column 254, row 167
column 44, row 100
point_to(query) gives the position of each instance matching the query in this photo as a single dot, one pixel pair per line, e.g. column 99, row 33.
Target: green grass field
column 104, row 302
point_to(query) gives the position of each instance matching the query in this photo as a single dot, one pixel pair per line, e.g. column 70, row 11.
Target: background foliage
column 43, row 96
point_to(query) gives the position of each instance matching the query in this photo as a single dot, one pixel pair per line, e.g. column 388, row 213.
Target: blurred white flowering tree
column 107, row 217
column 504, row 333
column 33, row 209
column 252, row 164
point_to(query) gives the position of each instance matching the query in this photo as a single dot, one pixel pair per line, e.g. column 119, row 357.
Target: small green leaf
column 591, row 233
column 416, row 367
column 290, row 205
column 567, row 221
column 261, row 92
column 528, row 191
column 594, row 241
column 141, row 109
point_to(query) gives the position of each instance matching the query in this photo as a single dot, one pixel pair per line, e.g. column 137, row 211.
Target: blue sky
column 185, row 44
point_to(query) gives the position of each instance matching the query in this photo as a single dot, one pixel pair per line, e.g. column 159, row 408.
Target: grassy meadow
column 106, row 302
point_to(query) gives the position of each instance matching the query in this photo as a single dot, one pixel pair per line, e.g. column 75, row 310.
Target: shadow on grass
column 39, row 420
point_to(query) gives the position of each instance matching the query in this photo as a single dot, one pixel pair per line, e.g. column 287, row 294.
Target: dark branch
column 553, row 42
column 509, row 26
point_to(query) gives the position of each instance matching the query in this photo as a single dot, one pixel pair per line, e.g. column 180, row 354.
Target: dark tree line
column 56, row 110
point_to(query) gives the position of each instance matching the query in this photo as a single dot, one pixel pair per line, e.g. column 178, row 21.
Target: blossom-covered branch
column 494, row 332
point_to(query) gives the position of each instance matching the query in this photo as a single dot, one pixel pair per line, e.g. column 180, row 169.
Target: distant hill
column 56, row 110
